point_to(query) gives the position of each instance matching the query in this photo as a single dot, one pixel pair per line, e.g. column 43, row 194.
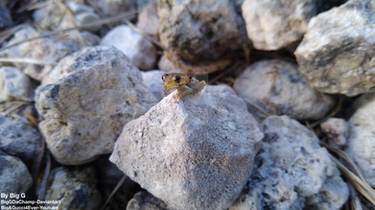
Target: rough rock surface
column 200, row 30
column 272, row 25
column 293, row 172
column 75, row 188
column 194, row 153
column 334, row 57
column 337, row 130
column 84, row 111
column 154, row 83
column 54, row 15
column 145, row 201
column 15, row 85
column 361, row 144
column 140, row 50
column 14, row 176
column 46, row 50
column 20, row 139
column 148, row 20
column 277, row 87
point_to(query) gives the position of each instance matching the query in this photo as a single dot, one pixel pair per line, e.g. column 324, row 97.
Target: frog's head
column 175, row 80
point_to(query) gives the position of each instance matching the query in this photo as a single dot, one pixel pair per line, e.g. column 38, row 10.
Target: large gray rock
column 200, row 32
column 75, row 188
column 279, row 88
column 20, row 139
column 14, row 176
column 145, row 201
column 293, row 172
column 194, row 153
column 46, row 50
column 336, row 52
column 272, row 25
column 139, row 50
column 84, row 111
column 361, row 144
column 15, row 85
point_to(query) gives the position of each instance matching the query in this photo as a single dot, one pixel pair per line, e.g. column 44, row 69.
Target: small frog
column 185, row 85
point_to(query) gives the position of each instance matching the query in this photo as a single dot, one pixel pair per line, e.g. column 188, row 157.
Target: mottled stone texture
column 194, row 153
column 276, row 24
column 200, row 30
column 278, row 88
column 83, row 112
column 337, row 52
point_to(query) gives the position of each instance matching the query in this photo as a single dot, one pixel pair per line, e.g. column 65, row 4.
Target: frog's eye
column 177, row 78
column 190, row 77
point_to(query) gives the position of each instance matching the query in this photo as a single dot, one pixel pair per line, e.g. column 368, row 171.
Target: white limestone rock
column 46, row 50
column 337, row 52
column 276, row 24
column 139, row 50
column 361, row 144
column 279, row 89
column 194, row 153
column 293, row 172
column 83, row 112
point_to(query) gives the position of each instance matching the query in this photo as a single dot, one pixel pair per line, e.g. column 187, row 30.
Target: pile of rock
column 94, row 101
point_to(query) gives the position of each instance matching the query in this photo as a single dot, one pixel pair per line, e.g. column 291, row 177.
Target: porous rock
column 334, row 57
column 46, row 50
column 278, row 88
column 145, row 201
column 293, row 172
column 15, row 85
column 75, row 188
column 139, row 50
column 20, row 139
column 200, row 31
column 272, row 25
column 154, row 83
column 14, row 176
column 84, row 111
column 194, row 153
column 361, row 144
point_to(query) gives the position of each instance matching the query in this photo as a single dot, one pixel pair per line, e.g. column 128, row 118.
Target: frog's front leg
column 184, row 91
